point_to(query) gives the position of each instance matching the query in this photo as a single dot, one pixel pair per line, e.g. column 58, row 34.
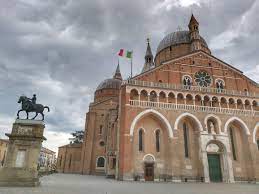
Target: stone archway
column 180, row 117
column 158, row 115
column 216, row 121
column 255, row 132
column 218, row 154
column 242, row 123
column 149, row 165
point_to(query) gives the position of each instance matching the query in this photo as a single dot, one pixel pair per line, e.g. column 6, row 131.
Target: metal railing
column 190, row 88
column 194, row 108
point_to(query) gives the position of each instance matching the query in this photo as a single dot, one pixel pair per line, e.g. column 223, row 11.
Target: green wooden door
column 214, row 168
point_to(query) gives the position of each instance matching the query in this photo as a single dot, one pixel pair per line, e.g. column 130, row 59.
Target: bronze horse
column 28, row 107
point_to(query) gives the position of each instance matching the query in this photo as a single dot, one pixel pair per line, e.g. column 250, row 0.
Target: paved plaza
column 83, row 184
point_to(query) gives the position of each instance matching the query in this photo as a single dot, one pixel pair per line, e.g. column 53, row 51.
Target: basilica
column 187, row 116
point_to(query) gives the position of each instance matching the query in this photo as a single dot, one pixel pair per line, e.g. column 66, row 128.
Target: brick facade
column 188, row 106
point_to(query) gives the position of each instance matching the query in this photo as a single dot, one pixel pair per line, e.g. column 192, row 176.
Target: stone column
column 205, row 166
column 20, row 167
column 229, row 166
column 203, row 156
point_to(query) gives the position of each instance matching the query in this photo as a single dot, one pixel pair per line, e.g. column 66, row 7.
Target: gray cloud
column 62, row 49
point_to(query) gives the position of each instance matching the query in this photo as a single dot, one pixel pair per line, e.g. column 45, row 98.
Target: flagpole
column 131, row 64
column 131, row 67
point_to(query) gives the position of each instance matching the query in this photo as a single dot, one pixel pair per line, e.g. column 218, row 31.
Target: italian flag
column 124, row 53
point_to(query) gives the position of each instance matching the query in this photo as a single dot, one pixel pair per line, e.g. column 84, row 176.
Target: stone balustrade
column 190, row 88
column 194, row 108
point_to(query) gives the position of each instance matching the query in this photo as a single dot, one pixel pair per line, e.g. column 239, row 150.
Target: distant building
column 3, row 150
column 47, row 159
column 69, row 158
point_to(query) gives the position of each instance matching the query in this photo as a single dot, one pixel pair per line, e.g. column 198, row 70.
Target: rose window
column 203, row 79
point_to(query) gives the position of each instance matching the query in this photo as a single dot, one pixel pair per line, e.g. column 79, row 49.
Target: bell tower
column 194, row 34
column 149, row 61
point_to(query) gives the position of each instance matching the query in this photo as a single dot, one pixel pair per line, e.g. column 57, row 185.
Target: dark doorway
column 214, row 168
column 149, row 171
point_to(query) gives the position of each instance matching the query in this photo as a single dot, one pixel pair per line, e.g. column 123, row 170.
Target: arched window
column 232, row 143
column 134, row 94
column 60, row 161
column 220, row 84
column 153, row 96
column 140, row 140
column 185, row 136
column 100, row 162
column 101, row 130
column 158, row 141
column 187, row 82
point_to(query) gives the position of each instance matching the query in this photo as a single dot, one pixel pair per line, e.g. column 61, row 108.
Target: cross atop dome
column 148, row 51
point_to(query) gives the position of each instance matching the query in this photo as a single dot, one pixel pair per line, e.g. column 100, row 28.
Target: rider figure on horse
column 33, row 99
column 29, row 105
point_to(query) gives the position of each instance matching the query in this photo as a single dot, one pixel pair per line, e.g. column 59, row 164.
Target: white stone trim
column 239, row 120
column 155, row 113
column 149, row 155
column 254, row 132
column 186, row 114
column 142, row 128
column 220, row 79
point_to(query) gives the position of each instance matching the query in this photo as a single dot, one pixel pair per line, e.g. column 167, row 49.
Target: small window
column 158, row 141
column 232, row 144
column 100, row 162
column 70, row 160
column 258, row 144
column 101, row 143
column 220, row 84
column 101, row 130
column 185, row 136
column 113, row 163
column 60, row 161
column 187, row 82
column 140, row 140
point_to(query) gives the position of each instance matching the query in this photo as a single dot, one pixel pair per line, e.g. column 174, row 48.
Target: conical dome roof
column 112, row 83
column 174, row 38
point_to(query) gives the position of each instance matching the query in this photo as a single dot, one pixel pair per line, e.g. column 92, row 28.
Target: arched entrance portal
column 214, row 154
column 149, row 162
column 216, row 161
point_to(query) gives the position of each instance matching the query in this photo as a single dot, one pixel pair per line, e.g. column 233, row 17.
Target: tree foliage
column 78, row 137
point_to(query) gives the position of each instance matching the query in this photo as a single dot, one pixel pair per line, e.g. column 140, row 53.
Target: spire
column 194, row 34
column 148, row 52
column 148, row 58
column 193, row 21
column 117, row 74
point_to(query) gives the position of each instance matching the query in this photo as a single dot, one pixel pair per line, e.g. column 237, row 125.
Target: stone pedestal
column 20, row 167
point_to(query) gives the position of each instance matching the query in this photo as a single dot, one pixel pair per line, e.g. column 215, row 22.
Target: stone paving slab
column 83, row 184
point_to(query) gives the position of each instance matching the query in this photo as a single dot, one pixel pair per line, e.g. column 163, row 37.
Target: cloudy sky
column 62, row 49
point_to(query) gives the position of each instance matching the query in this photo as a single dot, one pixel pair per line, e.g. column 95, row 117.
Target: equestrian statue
column 29, row 105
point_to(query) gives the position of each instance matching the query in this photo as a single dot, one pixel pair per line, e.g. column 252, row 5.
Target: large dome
column 174, row 38
column 112, row 83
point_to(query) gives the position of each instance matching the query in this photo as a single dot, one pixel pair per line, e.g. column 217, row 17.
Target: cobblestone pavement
column 83, row 184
